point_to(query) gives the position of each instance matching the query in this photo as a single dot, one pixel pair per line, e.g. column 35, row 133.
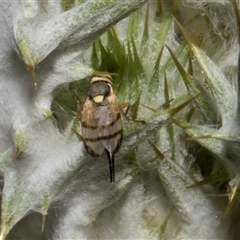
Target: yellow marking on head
column 98, row 98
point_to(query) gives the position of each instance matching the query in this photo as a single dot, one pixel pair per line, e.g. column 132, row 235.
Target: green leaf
column 145, row 35
column 204, row 108
column 222, row 91
column 161, row 35
column 133, row 25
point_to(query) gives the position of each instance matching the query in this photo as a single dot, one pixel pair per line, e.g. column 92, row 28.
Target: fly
column 101, row 121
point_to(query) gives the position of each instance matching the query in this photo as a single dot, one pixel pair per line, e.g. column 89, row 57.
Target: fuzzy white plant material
column 53, row 179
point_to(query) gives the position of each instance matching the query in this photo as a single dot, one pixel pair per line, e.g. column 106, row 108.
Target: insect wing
column 110, row 125
column 102, row 126
column 90, row 129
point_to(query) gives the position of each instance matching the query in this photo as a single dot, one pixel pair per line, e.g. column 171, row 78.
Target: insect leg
column 111, row 166
column 127, row 105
